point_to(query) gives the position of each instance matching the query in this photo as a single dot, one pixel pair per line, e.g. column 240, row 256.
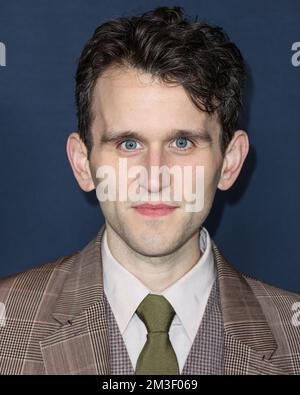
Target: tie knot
column 156, row 313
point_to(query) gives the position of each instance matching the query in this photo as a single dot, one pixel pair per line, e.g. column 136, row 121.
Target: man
column 151, row 294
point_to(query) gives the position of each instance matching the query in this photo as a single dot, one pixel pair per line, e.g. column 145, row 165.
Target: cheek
column 102, row 160
column 210, row 165
column 212, row 171
column 211, row 176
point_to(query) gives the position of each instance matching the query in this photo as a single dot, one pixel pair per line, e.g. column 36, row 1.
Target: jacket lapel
column 249, row 343
column 80, row 344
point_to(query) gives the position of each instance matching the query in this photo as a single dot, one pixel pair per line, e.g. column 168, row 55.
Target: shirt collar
column 188, row 295
column 123, row 290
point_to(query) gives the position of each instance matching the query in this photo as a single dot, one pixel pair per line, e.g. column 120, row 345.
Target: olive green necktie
column 157, row 355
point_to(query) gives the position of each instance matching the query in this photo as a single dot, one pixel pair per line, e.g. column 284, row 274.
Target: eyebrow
column 117, row 135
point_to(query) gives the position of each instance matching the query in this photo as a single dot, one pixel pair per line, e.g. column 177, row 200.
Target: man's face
column 125, row 100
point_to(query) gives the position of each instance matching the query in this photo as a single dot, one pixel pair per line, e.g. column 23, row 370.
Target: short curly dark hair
column 167, row 44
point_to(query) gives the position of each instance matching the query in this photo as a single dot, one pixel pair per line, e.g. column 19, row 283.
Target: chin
column 151, row 246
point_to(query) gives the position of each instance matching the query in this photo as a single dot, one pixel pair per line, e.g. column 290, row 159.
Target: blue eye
column 182, row 143
column 129, row 145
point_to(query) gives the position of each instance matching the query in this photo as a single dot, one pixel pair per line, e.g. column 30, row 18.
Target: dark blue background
column 45, row 215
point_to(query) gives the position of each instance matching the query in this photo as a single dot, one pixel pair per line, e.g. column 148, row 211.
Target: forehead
column 129, row 99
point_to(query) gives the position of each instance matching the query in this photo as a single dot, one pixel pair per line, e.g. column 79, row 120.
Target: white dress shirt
column 188, row 297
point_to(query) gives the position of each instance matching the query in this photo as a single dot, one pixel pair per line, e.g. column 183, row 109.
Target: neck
column 159, row 272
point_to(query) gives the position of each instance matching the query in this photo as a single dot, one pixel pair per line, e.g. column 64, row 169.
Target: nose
column 155, row 178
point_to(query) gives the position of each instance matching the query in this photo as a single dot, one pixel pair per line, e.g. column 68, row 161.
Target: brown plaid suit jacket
column 56, row 321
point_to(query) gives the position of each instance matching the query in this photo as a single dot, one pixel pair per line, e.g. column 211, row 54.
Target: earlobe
column 235, row 156
column 77, row 155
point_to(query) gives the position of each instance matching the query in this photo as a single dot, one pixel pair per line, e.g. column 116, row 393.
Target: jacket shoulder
column 28, row 299
column 263, row 289
column 282, row 311
column 36, row 280
column 278, row 304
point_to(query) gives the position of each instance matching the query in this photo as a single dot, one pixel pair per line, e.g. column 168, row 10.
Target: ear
column 234, row 158
column 77, row 154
